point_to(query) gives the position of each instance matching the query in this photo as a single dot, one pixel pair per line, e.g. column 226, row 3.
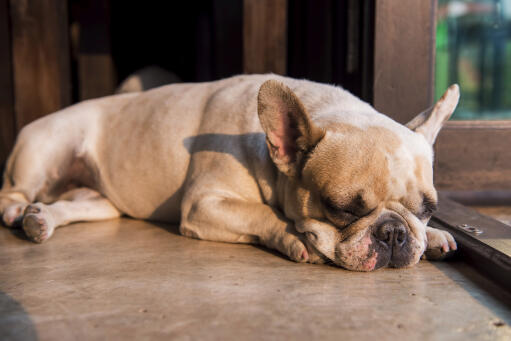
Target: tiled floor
column 127, row 279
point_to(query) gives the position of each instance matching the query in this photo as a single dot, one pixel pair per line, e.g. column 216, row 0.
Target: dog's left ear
column 428, row 123
column 290, row 132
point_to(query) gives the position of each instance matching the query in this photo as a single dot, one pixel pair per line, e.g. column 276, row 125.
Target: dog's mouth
column 366, row 254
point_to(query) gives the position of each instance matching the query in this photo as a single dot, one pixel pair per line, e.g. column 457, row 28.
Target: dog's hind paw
column 38, row 223
column 440, row 244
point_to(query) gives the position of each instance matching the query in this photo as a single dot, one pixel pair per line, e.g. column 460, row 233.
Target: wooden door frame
column 265, row 36
column 8, row 125
column 404, row 55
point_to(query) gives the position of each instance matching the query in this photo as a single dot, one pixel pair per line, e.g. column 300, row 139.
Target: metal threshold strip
column 482, row 241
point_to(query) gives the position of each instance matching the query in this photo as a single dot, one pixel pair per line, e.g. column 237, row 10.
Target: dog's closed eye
column 340, row 215
column 428, row 207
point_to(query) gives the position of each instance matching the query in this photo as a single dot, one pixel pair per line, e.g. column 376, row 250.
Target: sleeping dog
column 304, row 168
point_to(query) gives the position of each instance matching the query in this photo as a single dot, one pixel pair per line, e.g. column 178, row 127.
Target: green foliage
column 473, row 49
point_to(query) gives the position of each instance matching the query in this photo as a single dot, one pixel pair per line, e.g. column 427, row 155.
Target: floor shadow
column 172, row 228
column 270, row 251
column 15, row 323
column 17, row 232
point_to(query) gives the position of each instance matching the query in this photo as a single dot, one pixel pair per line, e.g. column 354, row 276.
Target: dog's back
column 136, row 148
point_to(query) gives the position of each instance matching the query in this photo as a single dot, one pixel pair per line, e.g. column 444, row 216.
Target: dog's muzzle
column 393, row 238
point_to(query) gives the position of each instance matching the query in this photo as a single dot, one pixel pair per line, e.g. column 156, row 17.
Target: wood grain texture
column 96, row 75
column 7, row 125
column 40, row 50
column 474, row 155
column 264, row 36
column 404, row 52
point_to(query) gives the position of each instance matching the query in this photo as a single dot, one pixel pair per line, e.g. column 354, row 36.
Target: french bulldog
column 304, row 168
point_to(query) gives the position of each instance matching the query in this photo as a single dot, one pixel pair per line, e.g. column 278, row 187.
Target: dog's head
column 358, row 186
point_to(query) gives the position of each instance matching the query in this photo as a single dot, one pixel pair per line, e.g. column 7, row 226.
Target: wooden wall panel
column 404, row 53
column 474, row 155
column 41, row 61
column 264, row 36
column 7, row 124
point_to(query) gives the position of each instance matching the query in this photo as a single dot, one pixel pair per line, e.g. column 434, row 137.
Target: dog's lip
column 311, row 247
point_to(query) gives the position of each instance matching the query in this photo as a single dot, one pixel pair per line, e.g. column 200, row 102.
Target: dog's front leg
column 236, row 221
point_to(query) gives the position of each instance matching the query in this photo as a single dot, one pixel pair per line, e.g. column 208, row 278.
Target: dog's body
column 319, row 175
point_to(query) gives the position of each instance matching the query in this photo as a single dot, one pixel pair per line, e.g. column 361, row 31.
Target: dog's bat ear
column 290, row 133
column 429, row 123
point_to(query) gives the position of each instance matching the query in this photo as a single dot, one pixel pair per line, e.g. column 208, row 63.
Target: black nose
column 392, row 233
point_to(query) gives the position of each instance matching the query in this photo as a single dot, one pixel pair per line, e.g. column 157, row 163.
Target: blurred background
column 473, row 48
column 397, row 55
column 54, row 53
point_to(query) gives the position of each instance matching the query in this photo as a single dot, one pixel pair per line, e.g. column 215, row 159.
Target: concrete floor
column 126, row 279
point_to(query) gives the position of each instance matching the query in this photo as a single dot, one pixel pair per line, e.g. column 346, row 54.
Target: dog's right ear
column 429, row 123
column 290, row 133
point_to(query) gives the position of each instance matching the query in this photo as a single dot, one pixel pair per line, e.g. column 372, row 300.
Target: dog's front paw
column 292, row 246
column 38, row 223
column 440, row 244
column 13, row 214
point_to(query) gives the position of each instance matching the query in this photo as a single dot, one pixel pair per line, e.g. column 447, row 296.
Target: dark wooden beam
column 41, row 60
column 404, row 53
column 7, row 125
column 264, row 36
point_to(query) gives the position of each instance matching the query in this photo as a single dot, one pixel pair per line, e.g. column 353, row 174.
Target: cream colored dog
column 304, row 168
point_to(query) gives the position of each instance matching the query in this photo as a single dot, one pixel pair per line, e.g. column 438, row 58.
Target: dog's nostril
column 384, row 232
column 386, row 236
column 391, row 232
column 399, row 236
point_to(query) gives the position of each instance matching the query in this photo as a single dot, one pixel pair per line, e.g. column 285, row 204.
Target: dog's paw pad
column 37, row 224
column 32, row 209
column 440, row 244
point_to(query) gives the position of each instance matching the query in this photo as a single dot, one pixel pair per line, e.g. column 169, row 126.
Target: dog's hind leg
column 80, row 204
column 21, row 184
column 40, row 159
column 23, row 178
